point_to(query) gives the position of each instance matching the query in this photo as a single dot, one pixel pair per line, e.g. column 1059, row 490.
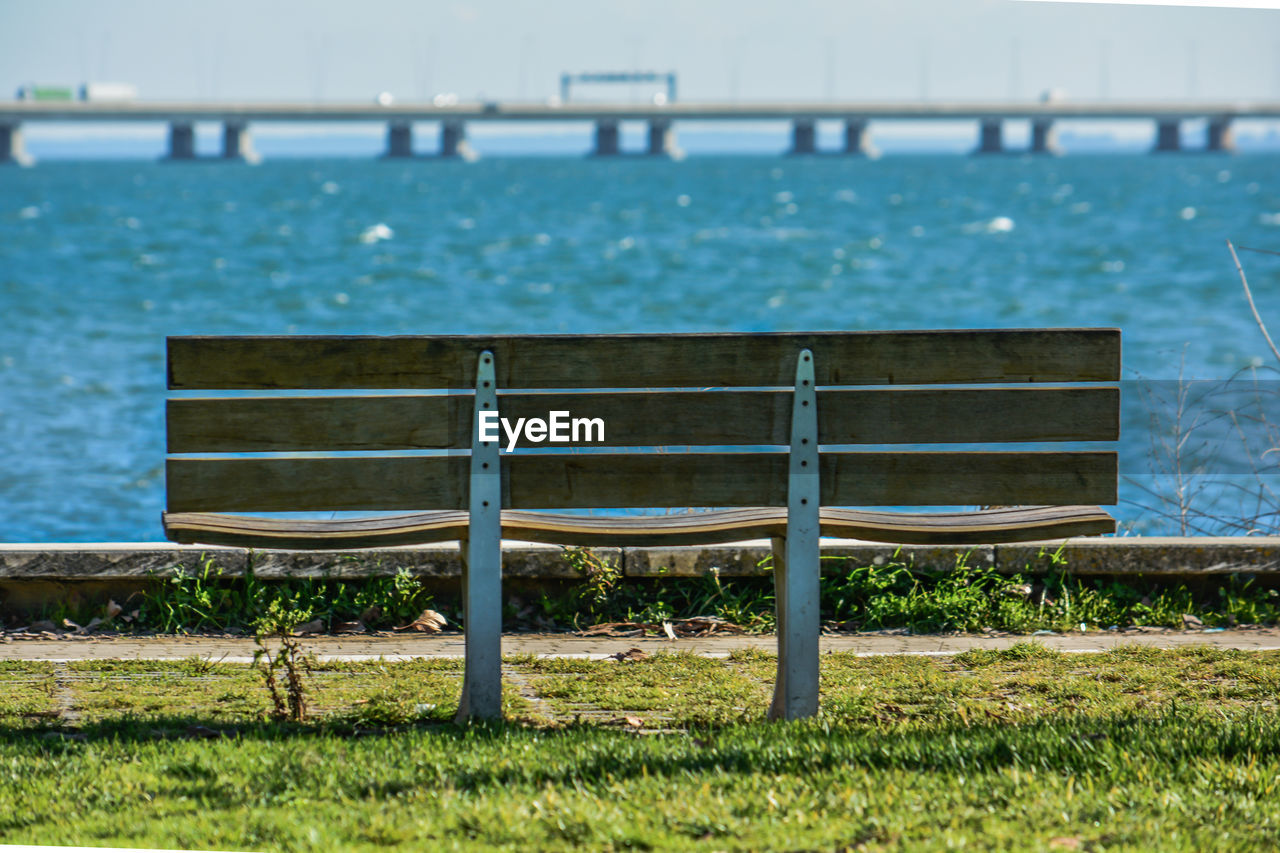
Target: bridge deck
column 22, row 111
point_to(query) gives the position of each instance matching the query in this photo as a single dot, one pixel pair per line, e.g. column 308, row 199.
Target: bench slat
column 646, row 361
column 317, row 485
column 602, row 480
column 700, row 528
column 691, row 418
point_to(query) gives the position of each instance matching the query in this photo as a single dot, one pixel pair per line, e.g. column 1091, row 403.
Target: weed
column 277, row 624
column 600, row 578
column 204, row 597
column 964, row 598
column 894, row 594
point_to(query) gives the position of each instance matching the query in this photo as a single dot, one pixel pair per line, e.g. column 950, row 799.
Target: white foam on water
column 375, row 233
column 995, row 225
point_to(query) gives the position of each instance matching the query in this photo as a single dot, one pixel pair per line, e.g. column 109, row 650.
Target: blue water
column 100, row 261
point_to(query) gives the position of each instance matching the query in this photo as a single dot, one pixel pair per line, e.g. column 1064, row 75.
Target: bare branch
column 1249, row 295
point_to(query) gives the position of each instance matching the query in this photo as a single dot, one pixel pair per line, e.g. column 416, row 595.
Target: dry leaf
column 430, row 622
column 315, row 626
column 634, row 722
column 82, row 629
column 667, row 629
column 356, row 627
column 1065, row 842
column 705, row 626
column 113, row 609
column 631, row 655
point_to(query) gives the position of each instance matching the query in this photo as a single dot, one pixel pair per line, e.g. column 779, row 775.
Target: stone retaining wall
column 1100, row 556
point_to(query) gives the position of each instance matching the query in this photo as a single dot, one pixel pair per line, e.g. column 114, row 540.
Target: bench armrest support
column 795, row 558
column 482, row 564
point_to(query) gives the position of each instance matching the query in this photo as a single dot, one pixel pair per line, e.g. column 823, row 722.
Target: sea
column 100, row 261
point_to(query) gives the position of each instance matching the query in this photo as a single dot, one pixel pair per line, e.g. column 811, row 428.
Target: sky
column 335, row 50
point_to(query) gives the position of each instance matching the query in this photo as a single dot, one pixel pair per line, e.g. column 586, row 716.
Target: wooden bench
column 758, row 426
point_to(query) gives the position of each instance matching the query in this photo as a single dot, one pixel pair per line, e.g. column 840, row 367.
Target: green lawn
column 1024, row 749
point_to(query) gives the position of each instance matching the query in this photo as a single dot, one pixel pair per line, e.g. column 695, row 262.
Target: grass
column 1024, row 749
column 681, row 690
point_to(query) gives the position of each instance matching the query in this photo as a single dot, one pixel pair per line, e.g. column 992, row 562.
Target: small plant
column 750, row 605
column 277, row 624
column 195, row 598
column 590, row 600
column 204, row 597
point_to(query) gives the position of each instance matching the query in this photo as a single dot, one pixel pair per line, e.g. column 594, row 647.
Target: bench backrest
column 731, row 392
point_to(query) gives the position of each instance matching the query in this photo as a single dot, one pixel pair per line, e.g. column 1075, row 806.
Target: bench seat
column 990, row 526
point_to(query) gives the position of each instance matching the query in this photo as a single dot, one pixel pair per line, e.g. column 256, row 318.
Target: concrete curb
column 121, row 561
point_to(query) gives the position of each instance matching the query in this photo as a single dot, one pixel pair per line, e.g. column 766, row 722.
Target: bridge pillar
column 1044, row 139
column 1220, row 136
column 12, row 149
column 857, row 139
column 990, row 137
column 607, row 139
column 237, row 144
column 182, row 141
column 662, row 139
column 804, row 137
column 1168, row 135
column 453, row 141
column 399, row 140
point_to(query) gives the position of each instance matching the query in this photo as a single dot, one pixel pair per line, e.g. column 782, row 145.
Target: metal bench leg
column 796, row 561
column 777, row 708
column 795, row 693
column 482, row 609
column 482, row 567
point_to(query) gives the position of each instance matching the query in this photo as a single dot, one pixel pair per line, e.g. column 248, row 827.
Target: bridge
column 453, row 119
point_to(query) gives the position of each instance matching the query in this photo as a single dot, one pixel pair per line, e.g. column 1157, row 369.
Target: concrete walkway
column 402, row 647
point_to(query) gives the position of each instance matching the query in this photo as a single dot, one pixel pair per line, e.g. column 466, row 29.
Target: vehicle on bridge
column 43, row 92
column 108, row 92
